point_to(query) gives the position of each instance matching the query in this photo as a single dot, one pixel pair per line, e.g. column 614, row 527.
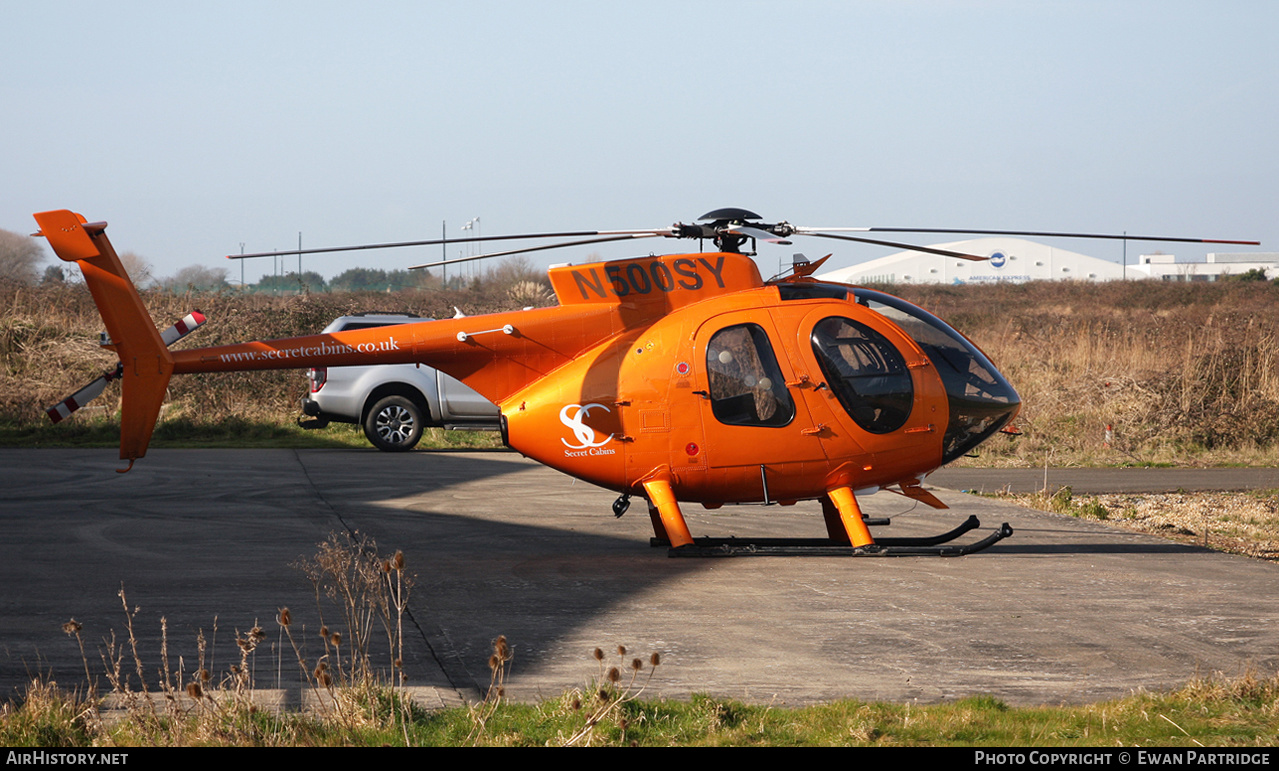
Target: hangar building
column 1017, row 260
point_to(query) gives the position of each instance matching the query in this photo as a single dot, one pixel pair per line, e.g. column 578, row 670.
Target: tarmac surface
column 1064, row 611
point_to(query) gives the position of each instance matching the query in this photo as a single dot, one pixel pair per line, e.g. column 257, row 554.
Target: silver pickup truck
column 393, row 402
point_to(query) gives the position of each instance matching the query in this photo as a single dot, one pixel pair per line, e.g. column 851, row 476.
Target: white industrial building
column 1017, row 260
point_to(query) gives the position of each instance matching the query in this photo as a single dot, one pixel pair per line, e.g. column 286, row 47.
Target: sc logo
column 572, row 416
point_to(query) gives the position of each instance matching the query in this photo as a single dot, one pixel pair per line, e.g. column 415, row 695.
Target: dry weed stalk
column 73, row 627
column 610, row 694
column 499, row 665
column 137, row 703
column 369, row 591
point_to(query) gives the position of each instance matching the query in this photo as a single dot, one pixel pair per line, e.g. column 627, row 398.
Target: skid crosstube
column 933, row 546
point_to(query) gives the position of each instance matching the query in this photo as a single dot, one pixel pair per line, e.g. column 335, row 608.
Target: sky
column 194, row 129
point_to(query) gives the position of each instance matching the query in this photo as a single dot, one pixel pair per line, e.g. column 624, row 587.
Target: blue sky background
column 193, row 128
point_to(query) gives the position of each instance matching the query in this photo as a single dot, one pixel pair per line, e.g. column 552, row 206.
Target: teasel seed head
column 614, row 674
column 399, row 560
column 336, row 639
column 195, row 691
column 285, row 618
column 637, row 665
column 621, row 650
column 598, row 654
column 72, row 626
column 655, row 659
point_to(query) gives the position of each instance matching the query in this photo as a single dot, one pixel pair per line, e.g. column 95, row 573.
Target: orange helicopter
column 677, row 378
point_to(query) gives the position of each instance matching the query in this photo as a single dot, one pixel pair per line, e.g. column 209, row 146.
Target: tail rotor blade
column 185, row 326
column 63, row 409
column 75, row 401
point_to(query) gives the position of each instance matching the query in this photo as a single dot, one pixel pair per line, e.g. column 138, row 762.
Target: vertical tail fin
column 146, row 361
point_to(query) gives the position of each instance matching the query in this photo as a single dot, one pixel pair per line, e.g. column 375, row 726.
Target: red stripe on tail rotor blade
column 62, row 409
column 185, row 326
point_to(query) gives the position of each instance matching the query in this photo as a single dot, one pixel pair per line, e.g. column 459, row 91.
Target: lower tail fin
column 145, row 360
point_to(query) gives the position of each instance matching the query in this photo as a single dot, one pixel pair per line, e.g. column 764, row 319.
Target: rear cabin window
column 746, row 385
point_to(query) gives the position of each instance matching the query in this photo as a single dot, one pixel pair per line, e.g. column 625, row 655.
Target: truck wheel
column 394, row 424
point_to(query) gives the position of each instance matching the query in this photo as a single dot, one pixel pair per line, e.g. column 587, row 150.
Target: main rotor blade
column 473, row 239
column 909, row 247
column 534, row 249
column 1028, row 233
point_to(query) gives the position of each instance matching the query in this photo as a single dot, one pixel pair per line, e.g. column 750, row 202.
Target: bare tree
column 196, row 277
column 514, row 270
column 139, row 270
column 19, row 257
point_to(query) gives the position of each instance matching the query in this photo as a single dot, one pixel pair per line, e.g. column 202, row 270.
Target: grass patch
column 1236, row 522
column 1211, row 712
column 227, row 432
column 1063, row 501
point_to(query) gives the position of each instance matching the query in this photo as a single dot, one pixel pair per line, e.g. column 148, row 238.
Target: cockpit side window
column 866, row 372
column 746, row 385
column 981, row 400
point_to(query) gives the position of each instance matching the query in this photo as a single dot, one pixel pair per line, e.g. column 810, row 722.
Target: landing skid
column 932, row 546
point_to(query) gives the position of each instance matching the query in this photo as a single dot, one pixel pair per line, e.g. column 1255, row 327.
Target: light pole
column 473, row 226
